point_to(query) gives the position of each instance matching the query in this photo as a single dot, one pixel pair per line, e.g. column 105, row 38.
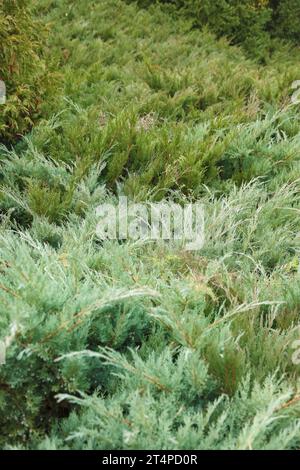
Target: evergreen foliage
column 286, row 19
column 23, row 68
column 138, row 345
column 252, row 23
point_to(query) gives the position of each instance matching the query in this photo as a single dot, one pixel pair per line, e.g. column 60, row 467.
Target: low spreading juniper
column 144, row 345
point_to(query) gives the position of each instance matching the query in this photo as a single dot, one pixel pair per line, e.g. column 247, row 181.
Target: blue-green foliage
column 126, row 345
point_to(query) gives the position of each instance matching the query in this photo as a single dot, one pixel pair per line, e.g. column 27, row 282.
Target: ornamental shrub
column 286, row 19
column 250, row 23
column 22, row 68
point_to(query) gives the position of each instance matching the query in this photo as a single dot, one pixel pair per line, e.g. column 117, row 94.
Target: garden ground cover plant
column 135, row 345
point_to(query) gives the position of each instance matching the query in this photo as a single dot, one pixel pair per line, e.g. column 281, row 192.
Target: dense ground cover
column 178, row 349
column 257, row 25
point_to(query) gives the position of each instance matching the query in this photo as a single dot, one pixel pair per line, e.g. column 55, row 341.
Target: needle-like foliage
column 136, row 344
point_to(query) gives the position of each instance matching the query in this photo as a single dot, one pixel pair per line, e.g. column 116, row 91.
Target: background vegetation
column 254, row 24
column 136, row 345
column 22, row 68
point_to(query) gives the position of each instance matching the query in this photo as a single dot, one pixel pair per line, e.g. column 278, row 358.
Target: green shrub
column 242, row 21
column 170, row 334
column 250, row 23
column 22, row 68
column 124, row 345
column 286, row 19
